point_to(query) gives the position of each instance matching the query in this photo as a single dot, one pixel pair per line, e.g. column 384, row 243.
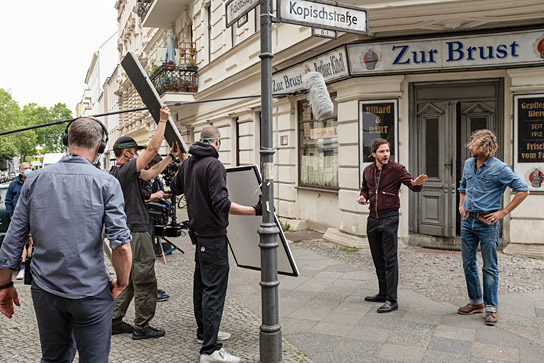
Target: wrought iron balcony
column 171, row 78
column 143, row 8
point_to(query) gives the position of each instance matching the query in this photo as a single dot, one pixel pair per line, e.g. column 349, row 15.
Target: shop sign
column 236, row 9
column 475, row 51
column 377, row 119
column 323, row 14
column 323, row 132
column 332, row 65
column 529, row 139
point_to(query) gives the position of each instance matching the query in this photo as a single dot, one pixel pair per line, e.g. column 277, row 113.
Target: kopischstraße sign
column 323, row 14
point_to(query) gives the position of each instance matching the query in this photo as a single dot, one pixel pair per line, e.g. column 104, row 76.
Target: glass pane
column 478, row 123
column 318, row 145
column 431, row 148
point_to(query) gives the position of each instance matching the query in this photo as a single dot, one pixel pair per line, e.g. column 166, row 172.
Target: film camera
column 170, row 171
column 161, row 212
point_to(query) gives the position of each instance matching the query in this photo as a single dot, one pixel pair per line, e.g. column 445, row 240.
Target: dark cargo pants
column 210, row 289
column 142, row 284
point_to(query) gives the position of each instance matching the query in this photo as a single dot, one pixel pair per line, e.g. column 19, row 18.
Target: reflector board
column 243, row 184
column 150, row 97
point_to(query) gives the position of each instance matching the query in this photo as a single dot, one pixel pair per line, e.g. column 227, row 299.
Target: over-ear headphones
column 103, row 143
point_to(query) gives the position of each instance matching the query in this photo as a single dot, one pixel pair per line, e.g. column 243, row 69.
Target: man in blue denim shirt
column 484, row 181
column 65, row 206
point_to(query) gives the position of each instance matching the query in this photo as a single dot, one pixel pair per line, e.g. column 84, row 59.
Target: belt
column 480, row 216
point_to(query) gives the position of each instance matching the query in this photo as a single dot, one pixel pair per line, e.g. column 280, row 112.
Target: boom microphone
column 318, row 96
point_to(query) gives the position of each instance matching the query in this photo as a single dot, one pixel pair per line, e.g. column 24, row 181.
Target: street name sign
column 235, row 9
column 323, row 14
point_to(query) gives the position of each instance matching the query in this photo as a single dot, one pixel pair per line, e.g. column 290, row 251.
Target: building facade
column 425, row 76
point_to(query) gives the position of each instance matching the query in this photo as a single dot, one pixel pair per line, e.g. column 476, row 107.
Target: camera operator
column 202, row 178
column 153, row 190
column 143, row 283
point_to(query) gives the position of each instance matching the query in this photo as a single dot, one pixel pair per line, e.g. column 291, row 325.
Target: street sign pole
column 270, row 330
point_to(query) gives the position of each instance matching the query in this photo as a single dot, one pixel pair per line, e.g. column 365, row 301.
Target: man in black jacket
column 202, row 178
column 381, row 184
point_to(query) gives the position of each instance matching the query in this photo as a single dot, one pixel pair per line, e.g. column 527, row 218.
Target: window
column 257, row 11
column 209, row 19
column 318, row 149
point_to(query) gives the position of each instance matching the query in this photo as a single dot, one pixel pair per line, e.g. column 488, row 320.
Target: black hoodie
column 203, row 180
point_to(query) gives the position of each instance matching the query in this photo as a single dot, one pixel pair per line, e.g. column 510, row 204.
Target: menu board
column 529, row 139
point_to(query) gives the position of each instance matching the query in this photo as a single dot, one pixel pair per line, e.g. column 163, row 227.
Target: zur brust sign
column 325, row 15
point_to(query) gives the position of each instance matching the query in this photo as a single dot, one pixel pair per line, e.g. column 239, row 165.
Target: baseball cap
column 124, row 142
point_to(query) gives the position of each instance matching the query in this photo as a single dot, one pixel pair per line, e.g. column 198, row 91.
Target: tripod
column 159, row 230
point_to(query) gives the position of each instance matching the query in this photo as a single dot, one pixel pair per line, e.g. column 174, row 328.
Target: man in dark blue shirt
column 484, row 181
column 14, row 189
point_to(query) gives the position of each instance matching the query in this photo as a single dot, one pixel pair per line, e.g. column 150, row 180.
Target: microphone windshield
column 318, row 96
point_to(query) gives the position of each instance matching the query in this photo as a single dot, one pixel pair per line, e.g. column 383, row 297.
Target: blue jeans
column 474, row 233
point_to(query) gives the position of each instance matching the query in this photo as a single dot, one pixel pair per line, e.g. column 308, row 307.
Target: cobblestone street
column 324, row 317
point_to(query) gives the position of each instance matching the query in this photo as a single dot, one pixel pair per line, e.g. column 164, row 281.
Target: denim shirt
column 484, row 187
column 64, row 206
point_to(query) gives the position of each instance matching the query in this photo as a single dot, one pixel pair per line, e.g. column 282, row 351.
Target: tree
column 10, row 116
column 24, row 143
column 50, row 137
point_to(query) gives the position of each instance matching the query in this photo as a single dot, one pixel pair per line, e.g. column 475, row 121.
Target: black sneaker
column 123, row 328
column 162, row 296
column 147, row 333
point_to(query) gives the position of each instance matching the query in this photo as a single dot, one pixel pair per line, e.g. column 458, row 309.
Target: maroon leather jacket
column 383, row 194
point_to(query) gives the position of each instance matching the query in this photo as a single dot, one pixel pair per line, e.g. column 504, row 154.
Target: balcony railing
column 171, row 78
column 143, row 8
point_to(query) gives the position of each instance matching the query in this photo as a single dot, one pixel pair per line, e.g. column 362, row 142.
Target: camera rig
column 163, row 214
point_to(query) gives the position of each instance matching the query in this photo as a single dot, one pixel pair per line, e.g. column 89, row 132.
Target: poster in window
column 529, row 140
column 377, row 119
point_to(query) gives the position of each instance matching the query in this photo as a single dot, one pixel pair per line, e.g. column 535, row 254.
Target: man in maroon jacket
column 381, row 184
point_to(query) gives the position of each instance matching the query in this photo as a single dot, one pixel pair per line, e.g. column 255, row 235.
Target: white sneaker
column 218, row 356
column 221, row 337
column 21, row 275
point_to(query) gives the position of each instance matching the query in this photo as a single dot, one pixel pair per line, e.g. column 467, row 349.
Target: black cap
column 124, row 142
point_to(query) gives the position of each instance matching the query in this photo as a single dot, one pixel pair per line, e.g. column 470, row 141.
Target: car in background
column 4, row 219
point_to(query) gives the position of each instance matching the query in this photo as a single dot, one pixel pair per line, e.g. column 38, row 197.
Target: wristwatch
column 171, row 156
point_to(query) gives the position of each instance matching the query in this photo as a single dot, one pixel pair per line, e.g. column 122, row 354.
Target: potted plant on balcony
column 192, row 52
column 191, row 66
column 193, row 87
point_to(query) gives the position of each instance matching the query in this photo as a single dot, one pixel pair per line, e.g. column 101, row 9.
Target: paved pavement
column 323, row 314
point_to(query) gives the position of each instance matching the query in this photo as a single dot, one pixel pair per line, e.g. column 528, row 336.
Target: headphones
column 103, row 143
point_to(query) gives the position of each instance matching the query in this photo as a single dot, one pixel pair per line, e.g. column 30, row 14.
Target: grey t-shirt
column 135, row 209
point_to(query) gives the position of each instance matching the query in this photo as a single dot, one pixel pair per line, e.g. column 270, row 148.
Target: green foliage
column 10, row 115
column 349, row 249
column 24, row 143
column 285, row 226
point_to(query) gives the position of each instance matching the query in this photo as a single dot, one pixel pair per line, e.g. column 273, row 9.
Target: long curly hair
column 485, row 141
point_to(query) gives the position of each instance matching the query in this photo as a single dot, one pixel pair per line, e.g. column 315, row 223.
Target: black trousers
column 63, row 322
column 210, row 289
column 382, row 237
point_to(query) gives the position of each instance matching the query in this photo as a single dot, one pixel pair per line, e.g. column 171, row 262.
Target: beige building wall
column 229, row 65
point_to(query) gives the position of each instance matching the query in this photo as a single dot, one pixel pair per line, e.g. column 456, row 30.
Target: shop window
column 318, row 149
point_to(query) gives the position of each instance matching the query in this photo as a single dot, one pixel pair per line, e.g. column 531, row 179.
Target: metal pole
column 270, row 331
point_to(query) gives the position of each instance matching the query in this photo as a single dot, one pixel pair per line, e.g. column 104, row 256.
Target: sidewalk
column 324, row 316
